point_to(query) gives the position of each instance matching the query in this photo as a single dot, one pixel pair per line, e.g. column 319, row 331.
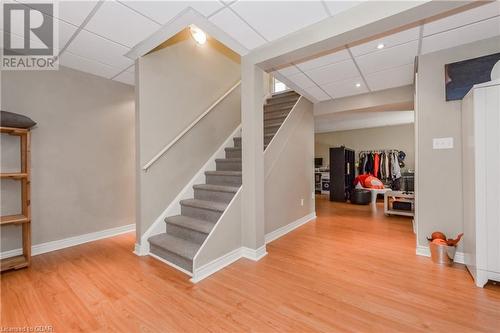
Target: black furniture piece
column 361, row 197
column 341, row 173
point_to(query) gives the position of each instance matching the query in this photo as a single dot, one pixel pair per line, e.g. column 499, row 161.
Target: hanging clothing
column 362, row 163
column 386, row 166
column 376, row 164
column 369, row 163
column 383, row 174
column 396, row 170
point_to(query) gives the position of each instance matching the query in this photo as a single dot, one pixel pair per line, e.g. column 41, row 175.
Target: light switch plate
column 442, row 143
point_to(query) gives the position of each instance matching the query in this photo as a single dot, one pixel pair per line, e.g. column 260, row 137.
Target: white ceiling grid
column 95, row 36
column 365, row 68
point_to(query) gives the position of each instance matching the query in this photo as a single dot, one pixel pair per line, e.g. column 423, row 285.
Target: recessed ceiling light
column 198, row 35
column 358, row 85
column 380, row 46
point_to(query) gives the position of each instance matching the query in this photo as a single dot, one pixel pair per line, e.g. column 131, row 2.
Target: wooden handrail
column 187, row 129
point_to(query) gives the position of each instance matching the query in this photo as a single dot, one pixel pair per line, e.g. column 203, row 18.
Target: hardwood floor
column 349, row 271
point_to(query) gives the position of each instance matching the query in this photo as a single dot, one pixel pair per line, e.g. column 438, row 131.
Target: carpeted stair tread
column 203, row 204
column 276, row 117
column 181, row 247
column 223, row 173
column 190, row 223
column 228, row 160
column 216, row 188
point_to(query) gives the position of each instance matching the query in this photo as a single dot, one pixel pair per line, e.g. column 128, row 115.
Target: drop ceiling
column 387, row 62
column 94, row 37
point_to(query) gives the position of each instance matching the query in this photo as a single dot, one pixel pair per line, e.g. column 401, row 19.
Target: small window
column 278, row 86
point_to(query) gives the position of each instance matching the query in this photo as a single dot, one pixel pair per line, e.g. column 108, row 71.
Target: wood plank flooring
column 351, row 270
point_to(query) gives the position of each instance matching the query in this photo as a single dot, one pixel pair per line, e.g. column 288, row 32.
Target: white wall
column 175, row 85
column 439, row 172
column 289, row 170
column 82, row 153
column 401, row 137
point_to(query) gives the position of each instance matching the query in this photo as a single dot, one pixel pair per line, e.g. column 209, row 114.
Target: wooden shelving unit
column 24, row 218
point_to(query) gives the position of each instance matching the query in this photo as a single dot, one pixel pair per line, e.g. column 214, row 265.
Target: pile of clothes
column 384, row 165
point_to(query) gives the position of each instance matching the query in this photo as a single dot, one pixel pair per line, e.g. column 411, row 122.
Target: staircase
column 276, row 110
column 186, row 232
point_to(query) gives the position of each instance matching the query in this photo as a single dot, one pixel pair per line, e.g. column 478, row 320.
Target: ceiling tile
column 470, row 16
column 345, row 88
column 387, row 58
column 206, row 7
column 160, row 11
column 131, row 69
column 336, row 7
column 121, row 24
column 290, row 70
column 460, row 36
column 164, row 11
column 66, row 31
column 325, row 60
column 317, row 93
column 236, row 28
column 74, row 12
column 388, row 41
column 394, row 77
column 91, row 46
column 301, row 80
column 74, row 61
column 275, row 19
column 126, row 77
column 334, row 72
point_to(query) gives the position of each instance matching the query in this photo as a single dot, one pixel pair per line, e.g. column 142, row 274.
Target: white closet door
column 492, row 130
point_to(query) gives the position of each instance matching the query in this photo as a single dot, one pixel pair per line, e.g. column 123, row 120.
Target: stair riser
column 237, row 142
column 275, row 109
column 277, row 114
column 223, row 180
column 200, row 213
column 280, row 118
column 172, row 258
column 216, row 196
column 228, row 166
column 267, row 140
column 271, row 130
column 281, row 100
column 278, row 107
column 274, row 114
column 233, row 153
column 185, row 233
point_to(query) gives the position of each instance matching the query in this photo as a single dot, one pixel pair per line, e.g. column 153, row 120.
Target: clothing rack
column 379, row 151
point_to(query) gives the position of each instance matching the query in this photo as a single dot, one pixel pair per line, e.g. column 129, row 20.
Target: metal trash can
column 442, row 254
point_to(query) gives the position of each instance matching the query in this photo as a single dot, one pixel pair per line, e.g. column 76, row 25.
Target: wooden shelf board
column 15, row 262
column 14, row 130
column 14, row 175
column 13, row 219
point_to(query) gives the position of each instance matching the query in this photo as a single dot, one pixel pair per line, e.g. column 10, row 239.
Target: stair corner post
column 252, row 119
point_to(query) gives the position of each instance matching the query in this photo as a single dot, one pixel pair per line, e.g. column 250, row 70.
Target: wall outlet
column 302, row 202
column 442, row 143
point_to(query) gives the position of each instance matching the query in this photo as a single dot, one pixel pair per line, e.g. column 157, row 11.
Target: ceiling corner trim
column 181, row 21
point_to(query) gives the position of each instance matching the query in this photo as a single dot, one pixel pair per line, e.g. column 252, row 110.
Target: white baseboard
column 216, row 265
column 159, row 226
column 252, row 254
column 426, row 252
column 71, row 241
column 273, row 235
column 226, row 260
